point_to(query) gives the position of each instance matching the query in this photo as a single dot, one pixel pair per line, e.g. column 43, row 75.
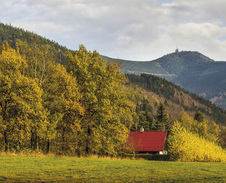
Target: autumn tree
column 184, row 145
column 62, row 99
column 38, row 56
column 199, row 125
column 104, row 126
column 23, row 116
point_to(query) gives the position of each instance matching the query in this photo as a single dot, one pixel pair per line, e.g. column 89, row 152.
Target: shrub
column 186, row 146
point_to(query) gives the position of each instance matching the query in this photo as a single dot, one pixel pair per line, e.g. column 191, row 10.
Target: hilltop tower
column 177, row 50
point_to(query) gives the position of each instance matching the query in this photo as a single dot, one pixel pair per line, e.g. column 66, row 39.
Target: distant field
column 52, row 169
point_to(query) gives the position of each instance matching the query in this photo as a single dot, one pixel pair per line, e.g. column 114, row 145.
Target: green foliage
column 162, row 119
column 62, row 99
column 199, row 116
column 223, row 137
column 27, row 42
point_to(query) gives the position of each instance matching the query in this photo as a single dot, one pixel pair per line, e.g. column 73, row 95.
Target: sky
column 139, row 30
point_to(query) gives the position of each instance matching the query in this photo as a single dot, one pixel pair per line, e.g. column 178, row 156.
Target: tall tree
column 39, row 57
column 20, row 102
column 162, row 123
column 103, row 127
column 62, row 99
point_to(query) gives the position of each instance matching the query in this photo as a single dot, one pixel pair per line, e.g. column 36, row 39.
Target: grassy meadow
column 65, row 169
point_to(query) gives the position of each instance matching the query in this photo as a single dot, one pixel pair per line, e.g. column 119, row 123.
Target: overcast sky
column 126, row 29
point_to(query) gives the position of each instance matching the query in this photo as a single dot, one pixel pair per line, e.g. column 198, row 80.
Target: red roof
column 148, row 141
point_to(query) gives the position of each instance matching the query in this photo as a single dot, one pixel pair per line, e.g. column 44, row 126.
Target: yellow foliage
column 204, row 128
column 186, row 146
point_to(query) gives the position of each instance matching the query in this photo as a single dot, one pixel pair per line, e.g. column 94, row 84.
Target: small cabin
column 148, row 141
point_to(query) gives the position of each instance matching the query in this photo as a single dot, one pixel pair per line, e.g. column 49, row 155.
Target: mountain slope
column 177, row 98
column 157, row 67
column 168, row 66
column 191, row 70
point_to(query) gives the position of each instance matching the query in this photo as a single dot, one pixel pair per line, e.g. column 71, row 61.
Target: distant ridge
column 191, row 70
column 168, row 66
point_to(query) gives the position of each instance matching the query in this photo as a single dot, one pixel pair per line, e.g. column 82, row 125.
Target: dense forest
column 54, row 100
column 178, row 95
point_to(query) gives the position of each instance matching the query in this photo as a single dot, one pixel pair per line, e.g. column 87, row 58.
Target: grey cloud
column 129, row 29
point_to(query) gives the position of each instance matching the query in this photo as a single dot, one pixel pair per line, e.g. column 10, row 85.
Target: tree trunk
column 87, row 140
column 6, row 142
column 47, row 146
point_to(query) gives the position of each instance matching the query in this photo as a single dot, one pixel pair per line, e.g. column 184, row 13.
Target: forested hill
column 34, row 46
column 24, row 39
column 170, row 92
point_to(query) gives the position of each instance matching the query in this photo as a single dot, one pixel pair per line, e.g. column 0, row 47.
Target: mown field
column 58, row 169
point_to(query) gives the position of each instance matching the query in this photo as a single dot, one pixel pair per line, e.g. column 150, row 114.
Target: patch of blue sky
column 165, row 1
column 222, row 38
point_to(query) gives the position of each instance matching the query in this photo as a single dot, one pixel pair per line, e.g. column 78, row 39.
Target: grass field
column 53, row 169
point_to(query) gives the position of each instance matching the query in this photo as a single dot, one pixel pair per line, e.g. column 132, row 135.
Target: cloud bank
column 127, row 29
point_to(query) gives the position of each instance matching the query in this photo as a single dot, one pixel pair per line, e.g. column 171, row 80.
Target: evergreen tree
column 199, row 116
column 162, row 123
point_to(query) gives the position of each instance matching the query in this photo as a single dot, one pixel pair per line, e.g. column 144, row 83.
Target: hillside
column 164, row 67
column 14, row 35
column 169, row 66
column 191, row 70
column 66, row 102
column 176, row 98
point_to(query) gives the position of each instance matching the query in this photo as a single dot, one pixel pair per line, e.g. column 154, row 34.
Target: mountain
column 191, row 70
column 168, row 66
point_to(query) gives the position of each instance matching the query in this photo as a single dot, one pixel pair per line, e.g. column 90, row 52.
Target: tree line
column 79, row 109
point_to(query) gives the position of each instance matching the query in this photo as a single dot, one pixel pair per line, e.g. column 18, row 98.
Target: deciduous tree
column 62, row 99
column 107, row 111
column 20, row 102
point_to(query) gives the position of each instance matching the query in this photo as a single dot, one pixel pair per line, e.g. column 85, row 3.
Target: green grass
column 53, row 169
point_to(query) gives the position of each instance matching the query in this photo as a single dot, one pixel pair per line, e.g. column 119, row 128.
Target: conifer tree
column 162, row 123
column 199, row 116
